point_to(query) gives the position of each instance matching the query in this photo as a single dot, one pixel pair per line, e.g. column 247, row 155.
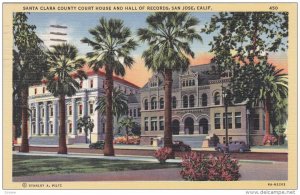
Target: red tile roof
column 90, row 72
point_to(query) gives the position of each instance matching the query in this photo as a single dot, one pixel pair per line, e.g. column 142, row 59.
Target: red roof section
column 90, row 72
column 121, row 80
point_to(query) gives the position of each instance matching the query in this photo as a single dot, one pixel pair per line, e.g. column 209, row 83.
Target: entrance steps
column 53, row 140
column 43, row 140
column 195, row 141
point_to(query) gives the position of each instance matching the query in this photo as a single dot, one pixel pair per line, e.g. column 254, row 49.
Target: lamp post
column 225, row 100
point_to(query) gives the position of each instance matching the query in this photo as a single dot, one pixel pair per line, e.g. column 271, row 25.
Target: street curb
column 123, row 157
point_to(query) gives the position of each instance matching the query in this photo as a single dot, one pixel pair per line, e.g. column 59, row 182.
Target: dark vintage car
column 235, row 146
column 97, row 145
column 180, row 146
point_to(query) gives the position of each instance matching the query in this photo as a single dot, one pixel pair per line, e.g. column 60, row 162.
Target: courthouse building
column 44, row 120
column 197, row 107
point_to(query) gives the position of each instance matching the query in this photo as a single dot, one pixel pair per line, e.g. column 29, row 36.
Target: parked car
column 235, row 146
column 97, row 145
column 180, row 146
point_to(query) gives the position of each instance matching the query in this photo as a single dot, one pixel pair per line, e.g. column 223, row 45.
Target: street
column 250, row 171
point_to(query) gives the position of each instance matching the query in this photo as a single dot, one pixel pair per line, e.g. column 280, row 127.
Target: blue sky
column 79, row 24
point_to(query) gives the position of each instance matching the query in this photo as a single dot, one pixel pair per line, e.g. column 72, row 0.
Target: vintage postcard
column 150, row 96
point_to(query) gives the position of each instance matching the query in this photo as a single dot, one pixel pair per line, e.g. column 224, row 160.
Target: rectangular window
column 256, row 122
column 51, row 111
column 42, row 112
column 238, row 120
column 91, row 84
column 81, row 84
column 42, row 128
column 134, row 113
column 161, row 123
column 153, row 123
column 229, row 118
column 44, row 89
column 91, row 108
column 33, row 128
column 70, row 110
column 217, row 120
column 51, row 128
column 80, row 109
column 35, row 91
column 146, row 123
column 33, row 112
column 139, row 112
column 103, row 127
column 70, row 127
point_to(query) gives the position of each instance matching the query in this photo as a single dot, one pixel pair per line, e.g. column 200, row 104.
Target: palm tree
column 119, row 104
column 127, row 122
column 87, row 124
column 261, row 83
column 272, row 88
column 29, row 67
column 169, row 36
column 112, row 46
column 64, row 66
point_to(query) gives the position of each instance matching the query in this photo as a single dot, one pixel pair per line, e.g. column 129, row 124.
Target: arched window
column 193, row 82
column 192, row 101
column 204, row 99
column 185, row 101
column 153, row 103
column 217, row 98
column 161, row 103
column 174, row 103
column 146, row 104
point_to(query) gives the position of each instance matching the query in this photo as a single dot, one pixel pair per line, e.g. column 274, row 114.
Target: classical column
column 84, row 105
column 37, row 119
column 46, row 119
column 181, row 129
column 55, row 117
column 74, row 117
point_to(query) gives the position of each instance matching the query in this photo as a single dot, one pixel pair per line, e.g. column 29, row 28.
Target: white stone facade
column 44, row 118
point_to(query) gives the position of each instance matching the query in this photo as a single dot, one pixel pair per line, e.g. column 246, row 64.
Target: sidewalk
column 97, row 156
column 121, row 157
column 274, row 148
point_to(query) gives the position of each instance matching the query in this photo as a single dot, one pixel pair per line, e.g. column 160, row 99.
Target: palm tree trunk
column 108, row 147
column 24, row 145
column 62, row 145
column 86, row 137
column 168, row 109
column 267, row 116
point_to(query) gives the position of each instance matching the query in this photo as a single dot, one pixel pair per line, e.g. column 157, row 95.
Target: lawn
column 42, row 165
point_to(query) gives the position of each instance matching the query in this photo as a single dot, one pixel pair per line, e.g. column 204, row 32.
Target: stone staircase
column 195, row 141
column 53, row 140
column 40, row 140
